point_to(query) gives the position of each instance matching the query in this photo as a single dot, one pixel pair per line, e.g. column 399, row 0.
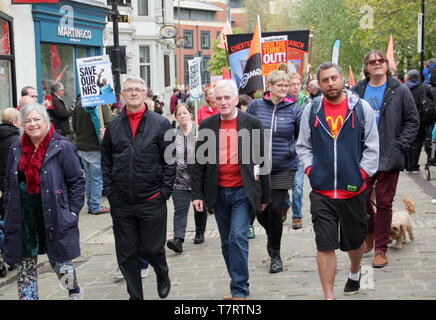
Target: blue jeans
column 232, row 214
column 297, row 192
column 91, row 161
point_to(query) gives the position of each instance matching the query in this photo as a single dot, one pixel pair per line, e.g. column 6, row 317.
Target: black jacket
column 399, row 123
column 8, row 135
column 135, row 170
column 204, row 177
column 60, row 115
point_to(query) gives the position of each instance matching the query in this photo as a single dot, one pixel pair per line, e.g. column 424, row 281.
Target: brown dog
column 402, row 222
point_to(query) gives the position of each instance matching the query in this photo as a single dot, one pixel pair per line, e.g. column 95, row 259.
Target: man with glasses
column 397, row 121
column 138, row 182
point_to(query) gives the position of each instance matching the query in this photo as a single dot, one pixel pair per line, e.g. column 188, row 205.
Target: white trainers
column 118, row 275
column 144, row 273
column 77, row 296
column 433, row 201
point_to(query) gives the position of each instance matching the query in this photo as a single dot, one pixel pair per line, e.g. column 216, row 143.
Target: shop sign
column 121, row 18
column 168, row 31
column 74, row 33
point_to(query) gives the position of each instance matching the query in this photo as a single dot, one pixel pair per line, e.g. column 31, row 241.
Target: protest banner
column 195, row 78
column 95, row 81
column 274, row 52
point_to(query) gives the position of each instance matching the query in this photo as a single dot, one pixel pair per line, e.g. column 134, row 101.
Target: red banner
column 33, row 1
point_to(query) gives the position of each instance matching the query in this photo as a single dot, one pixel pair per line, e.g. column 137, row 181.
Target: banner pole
column 100, row 112
column 196, row 117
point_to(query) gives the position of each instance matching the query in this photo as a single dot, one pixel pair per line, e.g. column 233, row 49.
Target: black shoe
column 175, row 245
column 276, row 262
column 163, row 287
column 352, row 286
column 199, row 238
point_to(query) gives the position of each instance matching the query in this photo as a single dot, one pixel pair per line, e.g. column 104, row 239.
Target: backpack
column 360, row 115
column 426, row 107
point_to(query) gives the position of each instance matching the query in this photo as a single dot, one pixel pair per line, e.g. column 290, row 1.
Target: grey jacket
column 399, row 123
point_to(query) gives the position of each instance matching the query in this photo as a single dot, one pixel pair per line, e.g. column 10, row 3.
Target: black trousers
column 140, row 231
column 271, row 218
column 413, row 153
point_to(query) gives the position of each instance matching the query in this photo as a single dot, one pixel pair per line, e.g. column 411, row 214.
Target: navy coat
column 284, row 122
column 62, row 196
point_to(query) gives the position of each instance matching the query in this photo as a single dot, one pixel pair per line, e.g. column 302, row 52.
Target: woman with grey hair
column 278, row 113
column 45, row 191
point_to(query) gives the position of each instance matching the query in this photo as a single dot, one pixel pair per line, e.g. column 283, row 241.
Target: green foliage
column 347, row 20
column 219, row 56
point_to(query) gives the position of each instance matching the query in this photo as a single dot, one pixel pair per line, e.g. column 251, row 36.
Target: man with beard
column 338, row 147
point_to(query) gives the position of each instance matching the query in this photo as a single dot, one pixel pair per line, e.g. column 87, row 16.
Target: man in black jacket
column 60, row 114
column 231, row 180
column 138, row 181
column 419, row 91
column 397, row 121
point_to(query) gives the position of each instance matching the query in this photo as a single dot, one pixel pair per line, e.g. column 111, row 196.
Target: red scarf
column 31, row 160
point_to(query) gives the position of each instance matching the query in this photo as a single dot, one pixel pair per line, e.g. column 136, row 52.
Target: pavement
column 199, row 273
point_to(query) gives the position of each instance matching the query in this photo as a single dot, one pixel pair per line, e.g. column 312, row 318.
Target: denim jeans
column 297, row 192
column 232, row 214
column 91, row 161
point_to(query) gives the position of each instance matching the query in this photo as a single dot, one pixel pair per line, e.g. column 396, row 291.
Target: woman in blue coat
column 281, row 116
column 44, row 193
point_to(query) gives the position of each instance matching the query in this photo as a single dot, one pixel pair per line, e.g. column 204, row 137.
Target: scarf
column 31, row 160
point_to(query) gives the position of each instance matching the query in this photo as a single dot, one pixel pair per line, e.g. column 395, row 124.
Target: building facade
column 145, row 52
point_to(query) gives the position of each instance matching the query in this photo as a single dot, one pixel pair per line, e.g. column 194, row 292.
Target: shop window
column 7, row 77
column 145, row 64
column 57, row 65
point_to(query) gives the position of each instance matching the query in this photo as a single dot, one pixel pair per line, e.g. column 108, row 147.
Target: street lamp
column 116, row 51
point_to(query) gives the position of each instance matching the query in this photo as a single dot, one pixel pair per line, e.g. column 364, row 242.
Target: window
column 7, row 87
column 205, row 40
column 167, row 70
column 145, row 65
column 205, row 74
column 142, row 7
column 218, row 34
column 186, row 68
column 120, row 2
column 189, row 37
column 190, row 14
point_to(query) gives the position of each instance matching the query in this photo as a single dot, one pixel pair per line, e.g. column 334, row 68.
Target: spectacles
column 373, row 62
column 281, row 86
column 131, row 90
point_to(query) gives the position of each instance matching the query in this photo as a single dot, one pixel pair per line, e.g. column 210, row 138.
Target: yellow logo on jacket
column 334, row 124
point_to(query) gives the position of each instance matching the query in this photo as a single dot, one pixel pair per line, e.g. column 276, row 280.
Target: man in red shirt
column 232, row 180
column 338, row 147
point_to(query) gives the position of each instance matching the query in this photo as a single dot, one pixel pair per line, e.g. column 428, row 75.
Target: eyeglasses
column 131, row 90
column 373, row 62
column 282, row 86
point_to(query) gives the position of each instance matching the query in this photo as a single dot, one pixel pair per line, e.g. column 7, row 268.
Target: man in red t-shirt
column 338, row 150
column 233, row 182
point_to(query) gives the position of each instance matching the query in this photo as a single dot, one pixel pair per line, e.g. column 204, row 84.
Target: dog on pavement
column 402, row 224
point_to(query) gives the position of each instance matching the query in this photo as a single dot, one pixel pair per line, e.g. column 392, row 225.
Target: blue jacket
column 284, row 122
column 336, row 162
column 62, row 196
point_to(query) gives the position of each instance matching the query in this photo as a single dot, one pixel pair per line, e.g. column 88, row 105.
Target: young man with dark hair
column 338, row 147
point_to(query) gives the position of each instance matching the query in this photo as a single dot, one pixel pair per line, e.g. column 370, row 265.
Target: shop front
column 65, row 32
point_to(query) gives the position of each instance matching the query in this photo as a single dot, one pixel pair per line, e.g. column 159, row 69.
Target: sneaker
column 296, row 223
column 77, row 296
column 118, row 275
column 144, row 273
column 251, row 234
column 352, row 286
column 433, row 201
column 103, row 210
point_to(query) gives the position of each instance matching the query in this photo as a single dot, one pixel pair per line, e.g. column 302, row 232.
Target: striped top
column 185, row 148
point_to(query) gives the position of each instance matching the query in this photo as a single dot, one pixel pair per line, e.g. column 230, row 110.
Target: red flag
column 55, row 62
column 226, row 73
column 390, row 54
column 351, row 80
column 252, row 79
column 226, row 30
